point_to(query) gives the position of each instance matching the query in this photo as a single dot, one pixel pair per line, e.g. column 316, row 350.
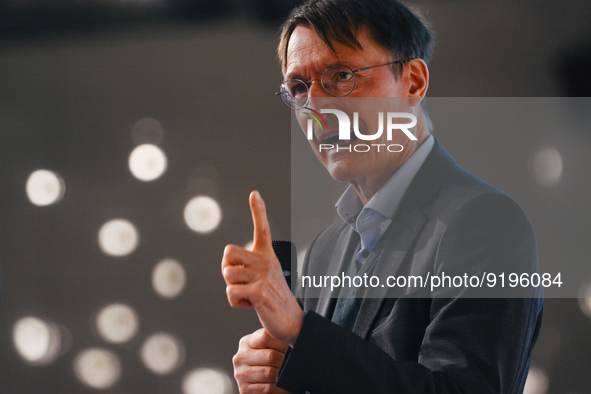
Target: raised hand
column 255, row 279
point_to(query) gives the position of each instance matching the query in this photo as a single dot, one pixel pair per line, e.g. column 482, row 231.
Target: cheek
column 397, row 135
column 396, row 87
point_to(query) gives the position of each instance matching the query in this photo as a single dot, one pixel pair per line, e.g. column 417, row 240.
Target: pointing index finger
column 262, row 232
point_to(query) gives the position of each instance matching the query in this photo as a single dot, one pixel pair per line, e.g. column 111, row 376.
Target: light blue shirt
column 372, row 220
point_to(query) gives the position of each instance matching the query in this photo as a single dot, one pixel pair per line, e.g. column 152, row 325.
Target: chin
column 342, row 172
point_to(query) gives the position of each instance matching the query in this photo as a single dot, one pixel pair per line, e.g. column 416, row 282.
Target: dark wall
column 69, row 101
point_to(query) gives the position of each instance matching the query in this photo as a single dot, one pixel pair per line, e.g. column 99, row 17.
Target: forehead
column 307, row 54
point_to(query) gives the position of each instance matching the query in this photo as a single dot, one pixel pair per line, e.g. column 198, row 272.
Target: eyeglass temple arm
column 380, row 65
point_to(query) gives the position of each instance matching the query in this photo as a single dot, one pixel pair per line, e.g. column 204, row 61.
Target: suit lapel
column 339, row 259
column 393, row 248
column 405, row 228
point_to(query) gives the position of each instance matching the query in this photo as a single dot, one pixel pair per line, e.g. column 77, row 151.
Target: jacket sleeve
column 470, row 345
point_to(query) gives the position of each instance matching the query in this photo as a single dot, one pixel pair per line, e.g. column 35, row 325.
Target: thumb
column 262, row 233
column 260, row 339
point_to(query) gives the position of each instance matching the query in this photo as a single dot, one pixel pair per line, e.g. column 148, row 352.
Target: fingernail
column 258, row 197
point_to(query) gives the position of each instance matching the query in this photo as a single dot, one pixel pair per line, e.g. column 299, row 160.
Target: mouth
column 332, row 138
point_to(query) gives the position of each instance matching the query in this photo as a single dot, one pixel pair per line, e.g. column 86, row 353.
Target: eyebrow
column 298, row 76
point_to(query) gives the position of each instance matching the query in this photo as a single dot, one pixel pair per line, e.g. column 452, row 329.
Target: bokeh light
column 547, row 167
column 161, row 353
column 117, row 323
column 585, row 299
column 537, row 382
column 203, row 214
column 207, row 381
column 36, row 341
column 118, row 237
column 147, row 162
column 97, row 368
column 168, row 278
column 45, row 187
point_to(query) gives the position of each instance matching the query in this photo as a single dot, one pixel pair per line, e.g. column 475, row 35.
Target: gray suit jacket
column 413, row 340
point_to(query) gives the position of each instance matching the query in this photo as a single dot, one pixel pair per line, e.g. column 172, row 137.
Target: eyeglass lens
column 337, row 81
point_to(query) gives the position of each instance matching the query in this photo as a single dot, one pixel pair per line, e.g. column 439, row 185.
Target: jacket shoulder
column 463, row 190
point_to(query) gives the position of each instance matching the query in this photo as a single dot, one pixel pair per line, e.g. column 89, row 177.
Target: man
column 427, row 215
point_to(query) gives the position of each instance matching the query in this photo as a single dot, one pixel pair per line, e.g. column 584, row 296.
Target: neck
column 368, row 185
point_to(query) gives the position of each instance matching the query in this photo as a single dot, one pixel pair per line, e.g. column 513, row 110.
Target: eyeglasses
column 338, row 81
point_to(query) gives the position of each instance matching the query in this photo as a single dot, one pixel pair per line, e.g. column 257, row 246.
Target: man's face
column 307, row 58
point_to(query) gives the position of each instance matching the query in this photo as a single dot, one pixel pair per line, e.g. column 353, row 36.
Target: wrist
column 296, row 328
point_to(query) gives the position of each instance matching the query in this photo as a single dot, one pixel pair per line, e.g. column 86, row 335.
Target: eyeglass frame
column 309, row 83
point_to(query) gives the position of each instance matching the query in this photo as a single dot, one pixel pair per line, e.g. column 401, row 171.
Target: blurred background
column 132, row 131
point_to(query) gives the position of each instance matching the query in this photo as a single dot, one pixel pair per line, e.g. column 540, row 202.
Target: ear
column 419, row 80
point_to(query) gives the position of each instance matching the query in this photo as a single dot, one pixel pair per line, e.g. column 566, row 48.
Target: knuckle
column 265, row 336
column 240, row 375
column 268, row 389
column 225, row 273
column 272, row 357
column 268, row 373
column 260, row 331
column 230, row 290
column 229, row 250
column 229, row 293
column 243, row 341
column 237, row 361
column 233, row 298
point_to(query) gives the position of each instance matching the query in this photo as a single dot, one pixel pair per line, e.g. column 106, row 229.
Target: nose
column 316, row 89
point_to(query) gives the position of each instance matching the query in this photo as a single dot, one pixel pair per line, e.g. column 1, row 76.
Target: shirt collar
column 387, row 199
